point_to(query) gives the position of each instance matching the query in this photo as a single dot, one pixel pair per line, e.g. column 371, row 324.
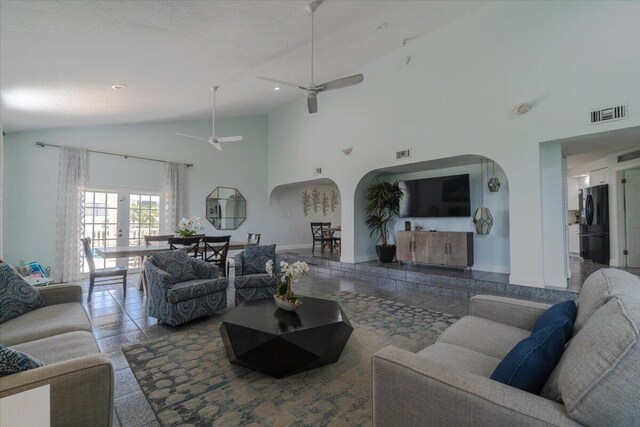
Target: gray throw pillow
column 176, row 263
column 17, row 297
column 14, row 361
column 255, row 258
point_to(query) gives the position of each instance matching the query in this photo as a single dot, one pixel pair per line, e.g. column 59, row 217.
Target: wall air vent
column 403, row 154
column 629, row 156
column 608, row 114
column 317, row 171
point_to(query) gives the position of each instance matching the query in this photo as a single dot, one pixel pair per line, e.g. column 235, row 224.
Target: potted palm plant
column 383, row 205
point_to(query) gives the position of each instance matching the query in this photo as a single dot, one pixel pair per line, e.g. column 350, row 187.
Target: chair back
column 253, row 238
column 88, row 254
column 164, row 238
column 191, row 244
column 215, row 249
column 317, row 229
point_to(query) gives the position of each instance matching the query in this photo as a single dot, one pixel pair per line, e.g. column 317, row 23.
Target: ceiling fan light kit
column 213, row 139
column 312, row 90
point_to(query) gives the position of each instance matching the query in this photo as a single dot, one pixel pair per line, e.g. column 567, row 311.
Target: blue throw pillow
column 14, row 361
column 563, row 313
column 255, row 257
column 17, row 297
column 528, row 365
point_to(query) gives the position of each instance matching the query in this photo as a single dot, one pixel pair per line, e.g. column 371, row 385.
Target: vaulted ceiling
column 58, row 60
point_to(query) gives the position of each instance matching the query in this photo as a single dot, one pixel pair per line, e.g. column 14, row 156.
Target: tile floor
column 581, row 269
column 119, row 322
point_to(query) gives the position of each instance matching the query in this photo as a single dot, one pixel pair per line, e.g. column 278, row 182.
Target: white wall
column 287, row 216
column 455, row 97
column 491, row 252
column 31, row 174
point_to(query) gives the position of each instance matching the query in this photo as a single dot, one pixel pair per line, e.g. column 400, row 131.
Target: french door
column 118, row 218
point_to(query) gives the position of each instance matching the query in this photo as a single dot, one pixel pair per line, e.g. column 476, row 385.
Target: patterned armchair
column 182, row 288
column 252, row 281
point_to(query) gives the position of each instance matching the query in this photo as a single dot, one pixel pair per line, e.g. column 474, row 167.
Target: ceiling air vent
column 629, row 156
column 317, row 171
column 403, row 154
column 608, row 114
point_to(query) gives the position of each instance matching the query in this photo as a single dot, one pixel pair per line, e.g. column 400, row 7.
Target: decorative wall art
column 320, row 202
column 306, row 202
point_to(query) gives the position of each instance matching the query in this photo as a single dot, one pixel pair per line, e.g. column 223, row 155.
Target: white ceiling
column 585, row 149
column 59, row 59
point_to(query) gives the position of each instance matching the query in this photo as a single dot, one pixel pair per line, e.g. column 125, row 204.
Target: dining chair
column 191, row 244
column 252, row 239
column 214, row 250
column 163, row 238
column 105, row 276
column 319, row 235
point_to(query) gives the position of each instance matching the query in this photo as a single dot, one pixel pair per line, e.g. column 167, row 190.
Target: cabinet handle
column 445, row 249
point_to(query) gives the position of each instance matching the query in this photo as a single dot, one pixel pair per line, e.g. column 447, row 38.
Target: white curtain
column 173, row 197
column 72, row 175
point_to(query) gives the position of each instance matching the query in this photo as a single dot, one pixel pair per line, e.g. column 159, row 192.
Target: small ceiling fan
column 313, row 90
column 213, row 139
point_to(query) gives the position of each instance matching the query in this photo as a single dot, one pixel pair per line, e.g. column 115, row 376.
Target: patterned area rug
column 188, row 380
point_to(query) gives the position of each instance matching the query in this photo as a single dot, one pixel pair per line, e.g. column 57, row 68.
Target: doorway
column 118, row 218
column 631, row 214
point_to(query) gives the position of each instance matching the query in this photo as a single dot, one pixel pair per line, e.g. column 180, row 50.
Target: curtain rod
column 126, row 156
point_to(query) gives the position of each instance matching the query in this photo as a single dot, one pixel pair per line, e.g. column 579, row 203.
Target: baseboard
column 365, row 258
column 533, row 281
column 290, row 247
column 491, row 268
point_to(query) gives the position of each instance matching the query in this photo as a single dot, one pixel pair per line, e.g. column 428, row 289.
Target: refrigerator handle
column 589, row 209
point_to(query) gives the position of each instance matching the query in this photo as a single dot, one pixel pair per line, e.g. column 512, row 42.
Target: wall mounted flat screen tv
column 445, row 196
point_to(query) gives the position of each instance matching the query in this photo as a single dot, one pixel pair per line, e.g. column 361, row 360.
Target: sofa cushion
column 176, row 263
column 17, row 297
column 255, row 258
column 255, row 281
column 532, row 360
column 45, row 322
column 563, row 314
column 195, row 288
column 485, row 336
column 13, row 361
column 598, row 376
column 461, row 358
column 597, row 289
column 59, row 348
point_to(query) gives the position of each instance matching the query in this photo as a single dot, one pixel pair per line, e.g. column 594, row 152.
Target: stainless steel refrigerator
column 594, row 223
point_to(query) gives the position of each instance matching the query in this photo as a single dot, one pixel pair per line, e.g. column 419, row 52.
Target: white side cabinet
column 573, row 187
column 598, row 177
column 574, row 238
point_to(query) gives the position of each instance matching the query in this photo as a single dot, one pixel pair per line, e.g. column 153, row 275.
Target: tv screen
column 445, row 196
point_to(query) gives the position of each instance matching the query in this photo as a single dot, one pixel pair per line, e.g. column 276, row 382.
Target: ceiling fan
column 213, row 139
column 312, row 90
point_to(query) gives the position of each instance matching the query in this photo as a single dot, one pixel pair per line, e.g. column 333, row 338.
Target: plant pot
column 286, row 305
column 386, row 253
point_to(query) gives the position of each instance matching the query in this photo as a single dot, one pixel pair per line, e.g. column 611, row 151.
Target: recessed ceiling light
column 382, row 26
column 118, row 86
column 276, row 88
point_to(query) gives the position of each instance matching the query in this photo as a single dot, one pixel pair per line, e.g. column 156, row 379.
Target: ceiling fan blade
column 312, row 102
column 343, row 82
column 216, row 144
column 194, row 137
column 280, row 82
column 229, row 138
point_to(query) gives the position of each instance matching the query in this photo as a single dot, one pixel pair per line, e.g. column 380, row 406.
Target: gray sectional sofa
column 596, row 383
column 60, row 335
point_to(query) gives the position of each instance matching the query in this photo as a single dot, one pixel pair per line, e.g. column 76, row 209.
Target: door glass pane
column 144, row 220
column 100, row 224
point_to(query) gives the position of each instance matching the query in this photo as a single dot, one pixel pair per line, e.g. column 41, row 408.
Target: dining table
column 145, row 251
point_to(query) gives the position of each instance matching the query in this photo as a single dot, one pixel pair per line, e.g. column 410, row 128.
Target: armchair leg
column 92, row 281
column 124, row 283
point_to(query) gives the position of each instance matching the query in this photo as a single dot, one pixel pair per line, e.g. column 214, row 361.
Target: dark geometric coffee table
column 260, row 336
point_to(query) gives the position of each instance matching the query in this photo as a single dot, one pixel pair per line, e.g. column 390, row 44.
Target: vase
column 286, row 305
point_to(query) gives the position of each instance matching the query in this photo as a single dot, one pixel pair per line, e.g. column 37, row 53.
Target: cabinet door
column 573, row 186
column 403, row 245
column 437, row 248
column 458, row 249
column 597, row 177
column 421, row 246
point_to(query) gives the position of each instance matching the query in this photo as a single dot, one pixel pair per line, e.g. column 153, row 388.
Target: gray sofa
column 60, row 335
column 596, row 383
